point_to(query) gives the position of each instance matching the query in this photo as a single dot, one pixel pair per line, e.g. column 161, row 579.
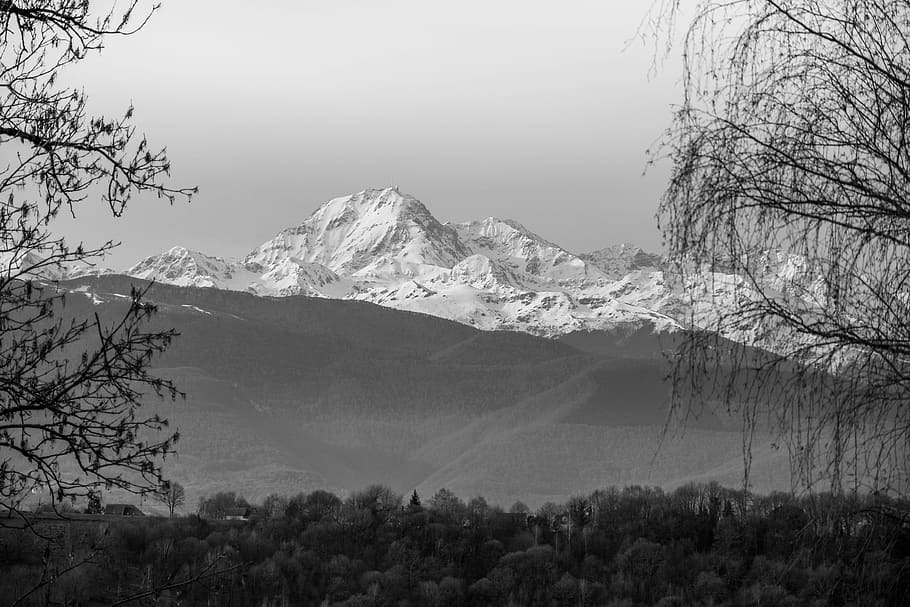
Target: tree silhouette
column 70, row 381
column 172, row 495
column 791, row 172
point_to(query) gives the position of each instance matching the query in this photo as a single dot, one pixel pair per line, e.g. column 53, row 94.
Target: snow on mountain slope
column 32, row 265
column 351, row 234
column 515, row 247
column 78, row 269
column 385, row 247
column 483, row 273
column 183, row 267
column 292, row 277
column 619, row 260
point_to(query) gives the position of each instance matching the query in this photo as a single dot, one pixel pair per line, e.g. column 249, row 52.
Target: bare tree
column 791, row 172
column 172, row 495
column 71, row 383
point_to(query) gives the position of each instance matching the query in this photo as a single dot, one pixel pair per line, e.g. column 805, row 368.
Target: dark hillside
column 299, row 393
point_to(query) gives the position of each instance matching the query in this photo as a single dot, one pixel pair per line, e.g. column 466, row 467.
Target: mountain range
column 385, row 247
column 328, row 357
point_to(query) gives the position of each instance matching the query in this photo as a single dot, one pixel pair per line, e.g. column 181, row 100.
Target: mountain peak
column 349, row 233
column 387, row 203
column 497, row 227
column 181, row 251
column 182, row 266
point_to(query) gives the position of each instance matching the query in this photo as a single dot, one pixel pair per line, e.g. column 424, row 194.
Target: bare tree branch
column 791, row 154
column 71, row 382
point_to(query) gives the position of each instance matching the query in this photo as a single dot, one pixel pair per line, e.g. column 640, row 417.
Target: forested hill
column 294, row 393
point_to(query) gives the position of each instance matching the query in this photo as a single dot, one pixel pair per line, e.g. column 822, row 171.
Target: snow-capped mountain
column 373, row 234
column 182, row 267
column 385, row 247
column 46, row 266
column 619, row 260
column 512, row 246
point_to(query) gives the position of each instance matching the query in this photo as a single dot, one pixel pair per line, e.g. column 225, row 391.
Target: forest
column 696, row 545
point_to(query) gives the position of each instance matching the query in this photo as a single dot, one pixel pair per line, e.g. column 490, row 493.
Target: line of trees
column 698, row 545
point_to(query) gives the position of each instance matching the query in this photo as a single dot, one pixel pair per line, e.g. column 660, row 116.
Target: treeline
column 698, row 545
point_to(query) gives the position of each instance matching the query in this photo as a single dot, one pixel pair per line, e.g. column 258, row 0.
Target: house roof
column 122, row 509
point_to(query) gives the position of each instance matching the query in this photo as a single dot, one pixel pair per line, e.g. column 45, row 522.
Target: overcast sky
column 531, row 110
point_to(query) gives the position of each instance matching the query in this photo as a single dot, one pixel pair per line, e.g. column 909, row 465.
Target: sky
column 537, row 111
